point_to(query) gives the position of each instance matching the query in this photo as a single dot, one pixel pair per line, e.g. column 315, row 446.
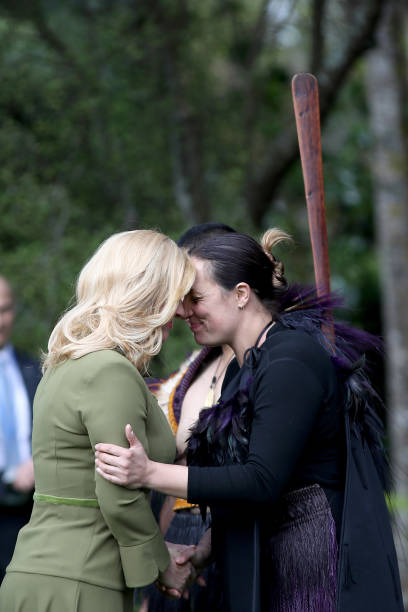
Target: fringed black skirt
column 301, row 554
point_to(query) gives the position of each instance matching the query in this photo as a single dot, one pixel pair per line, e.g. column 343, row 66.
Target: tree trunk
column 389, row 170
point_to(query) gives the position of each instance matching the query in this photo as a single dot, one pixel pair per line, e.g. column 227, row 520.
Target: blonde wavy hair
column 125, row 294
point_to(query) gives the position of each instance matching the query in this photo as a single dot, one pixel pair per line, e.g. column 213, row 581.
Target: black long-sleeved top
column 296, row 437
column 296, row 440
column 302, row 433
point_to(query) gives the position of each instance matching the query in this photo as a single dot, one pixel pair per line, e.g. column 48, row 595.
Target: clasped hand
column 181, row 572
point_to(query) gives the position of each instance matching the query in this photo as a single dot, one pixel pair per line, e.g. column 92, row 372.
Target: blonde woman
column 89, row 542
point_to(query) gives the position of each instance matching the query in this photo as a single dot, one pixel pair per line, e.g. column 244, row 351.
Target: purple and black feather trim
column 221, row 434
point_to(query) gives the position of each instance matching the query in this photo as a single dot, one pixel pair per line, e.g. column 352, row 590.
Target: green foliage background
column 98, row 97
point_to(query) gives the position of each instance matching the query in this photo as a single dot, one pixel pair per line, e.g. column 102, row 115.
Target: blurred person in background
column 19, row 377
column 195, row 385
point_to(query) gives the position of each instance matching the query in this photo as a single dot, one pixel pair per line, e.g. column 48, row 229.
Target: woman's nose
column 183, row 309
column 180, row 312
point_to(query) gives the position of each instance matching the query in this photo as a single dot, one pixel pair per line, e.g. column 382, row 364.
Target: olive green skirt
column 23, row 592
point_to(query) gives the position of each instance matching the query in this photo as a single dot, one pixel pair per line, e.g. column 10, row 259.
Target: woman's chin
column 198, row 336
column 204, row 339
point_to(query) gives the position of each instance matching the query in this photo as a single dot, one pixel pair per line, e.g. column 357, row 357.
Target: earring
column 241, row 306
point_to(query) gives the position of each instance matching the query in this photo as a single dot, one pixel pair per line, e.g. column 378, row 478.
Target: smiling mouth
column 194, row 326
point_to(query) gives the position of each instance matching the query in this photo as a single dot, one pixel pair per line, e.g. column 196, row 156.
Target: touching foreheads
column 235, row 258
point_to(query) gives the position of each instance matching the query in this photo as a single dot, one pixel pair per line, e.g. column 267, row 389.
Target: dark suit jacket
column 31, row 372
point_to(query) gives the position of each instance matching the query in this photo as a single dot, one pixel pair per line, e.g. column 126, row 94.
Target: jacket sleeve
column 287, row 398
column 114, row 395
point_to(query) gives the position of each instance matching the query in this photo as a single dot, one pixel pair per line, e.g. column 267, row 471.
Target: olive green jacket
column 114, row 541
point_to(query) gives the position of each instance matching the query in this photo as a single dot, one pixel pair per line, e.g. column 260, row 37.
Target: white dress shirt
column 22, row 411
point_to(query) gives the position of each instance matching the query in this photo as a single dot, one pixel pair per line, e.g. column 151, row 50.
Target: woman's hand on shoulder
column 127, row 467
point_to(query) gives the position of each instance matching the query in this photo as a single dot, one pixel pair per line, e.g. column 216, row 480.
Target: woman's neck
column 226, row 353
column 248, row 333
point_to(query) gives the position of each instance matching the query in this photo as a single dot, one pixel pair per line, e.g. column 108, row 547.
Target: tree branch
column 186, row 123
column 55, row 43
column 284, row 150
column 33, row 12
column 317, row 52
column 250, row 94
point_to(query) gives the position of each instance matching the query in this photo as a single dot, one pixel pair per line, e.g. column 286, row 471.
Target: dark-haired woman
column 195, row 385
column 293, row 446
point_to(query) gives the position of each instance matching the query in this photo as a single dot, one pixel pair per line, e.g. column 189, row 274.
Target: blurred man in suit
column 19, row 377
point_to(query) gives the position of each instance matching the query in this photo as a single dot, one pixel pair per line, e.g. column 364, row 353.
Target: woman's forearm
column 168, row 479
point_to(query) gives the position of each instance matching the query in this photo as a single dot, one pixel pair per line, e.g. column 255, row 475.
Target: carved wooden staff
column 306, row 104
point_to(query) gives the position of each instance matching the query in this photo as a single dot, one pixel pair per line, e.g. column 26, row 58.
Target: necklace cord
column 210, row 398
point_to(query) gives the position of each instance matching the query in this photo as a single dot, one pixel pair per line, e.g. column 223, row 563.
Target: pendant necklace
column 210, row 397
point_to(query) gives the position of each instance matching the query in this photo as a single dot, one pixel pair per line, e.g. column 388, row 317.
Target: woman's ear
column 242, row 293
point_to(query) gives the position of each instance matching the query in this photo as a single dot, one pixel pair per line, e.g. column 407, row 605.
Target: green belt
column 66, row 501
